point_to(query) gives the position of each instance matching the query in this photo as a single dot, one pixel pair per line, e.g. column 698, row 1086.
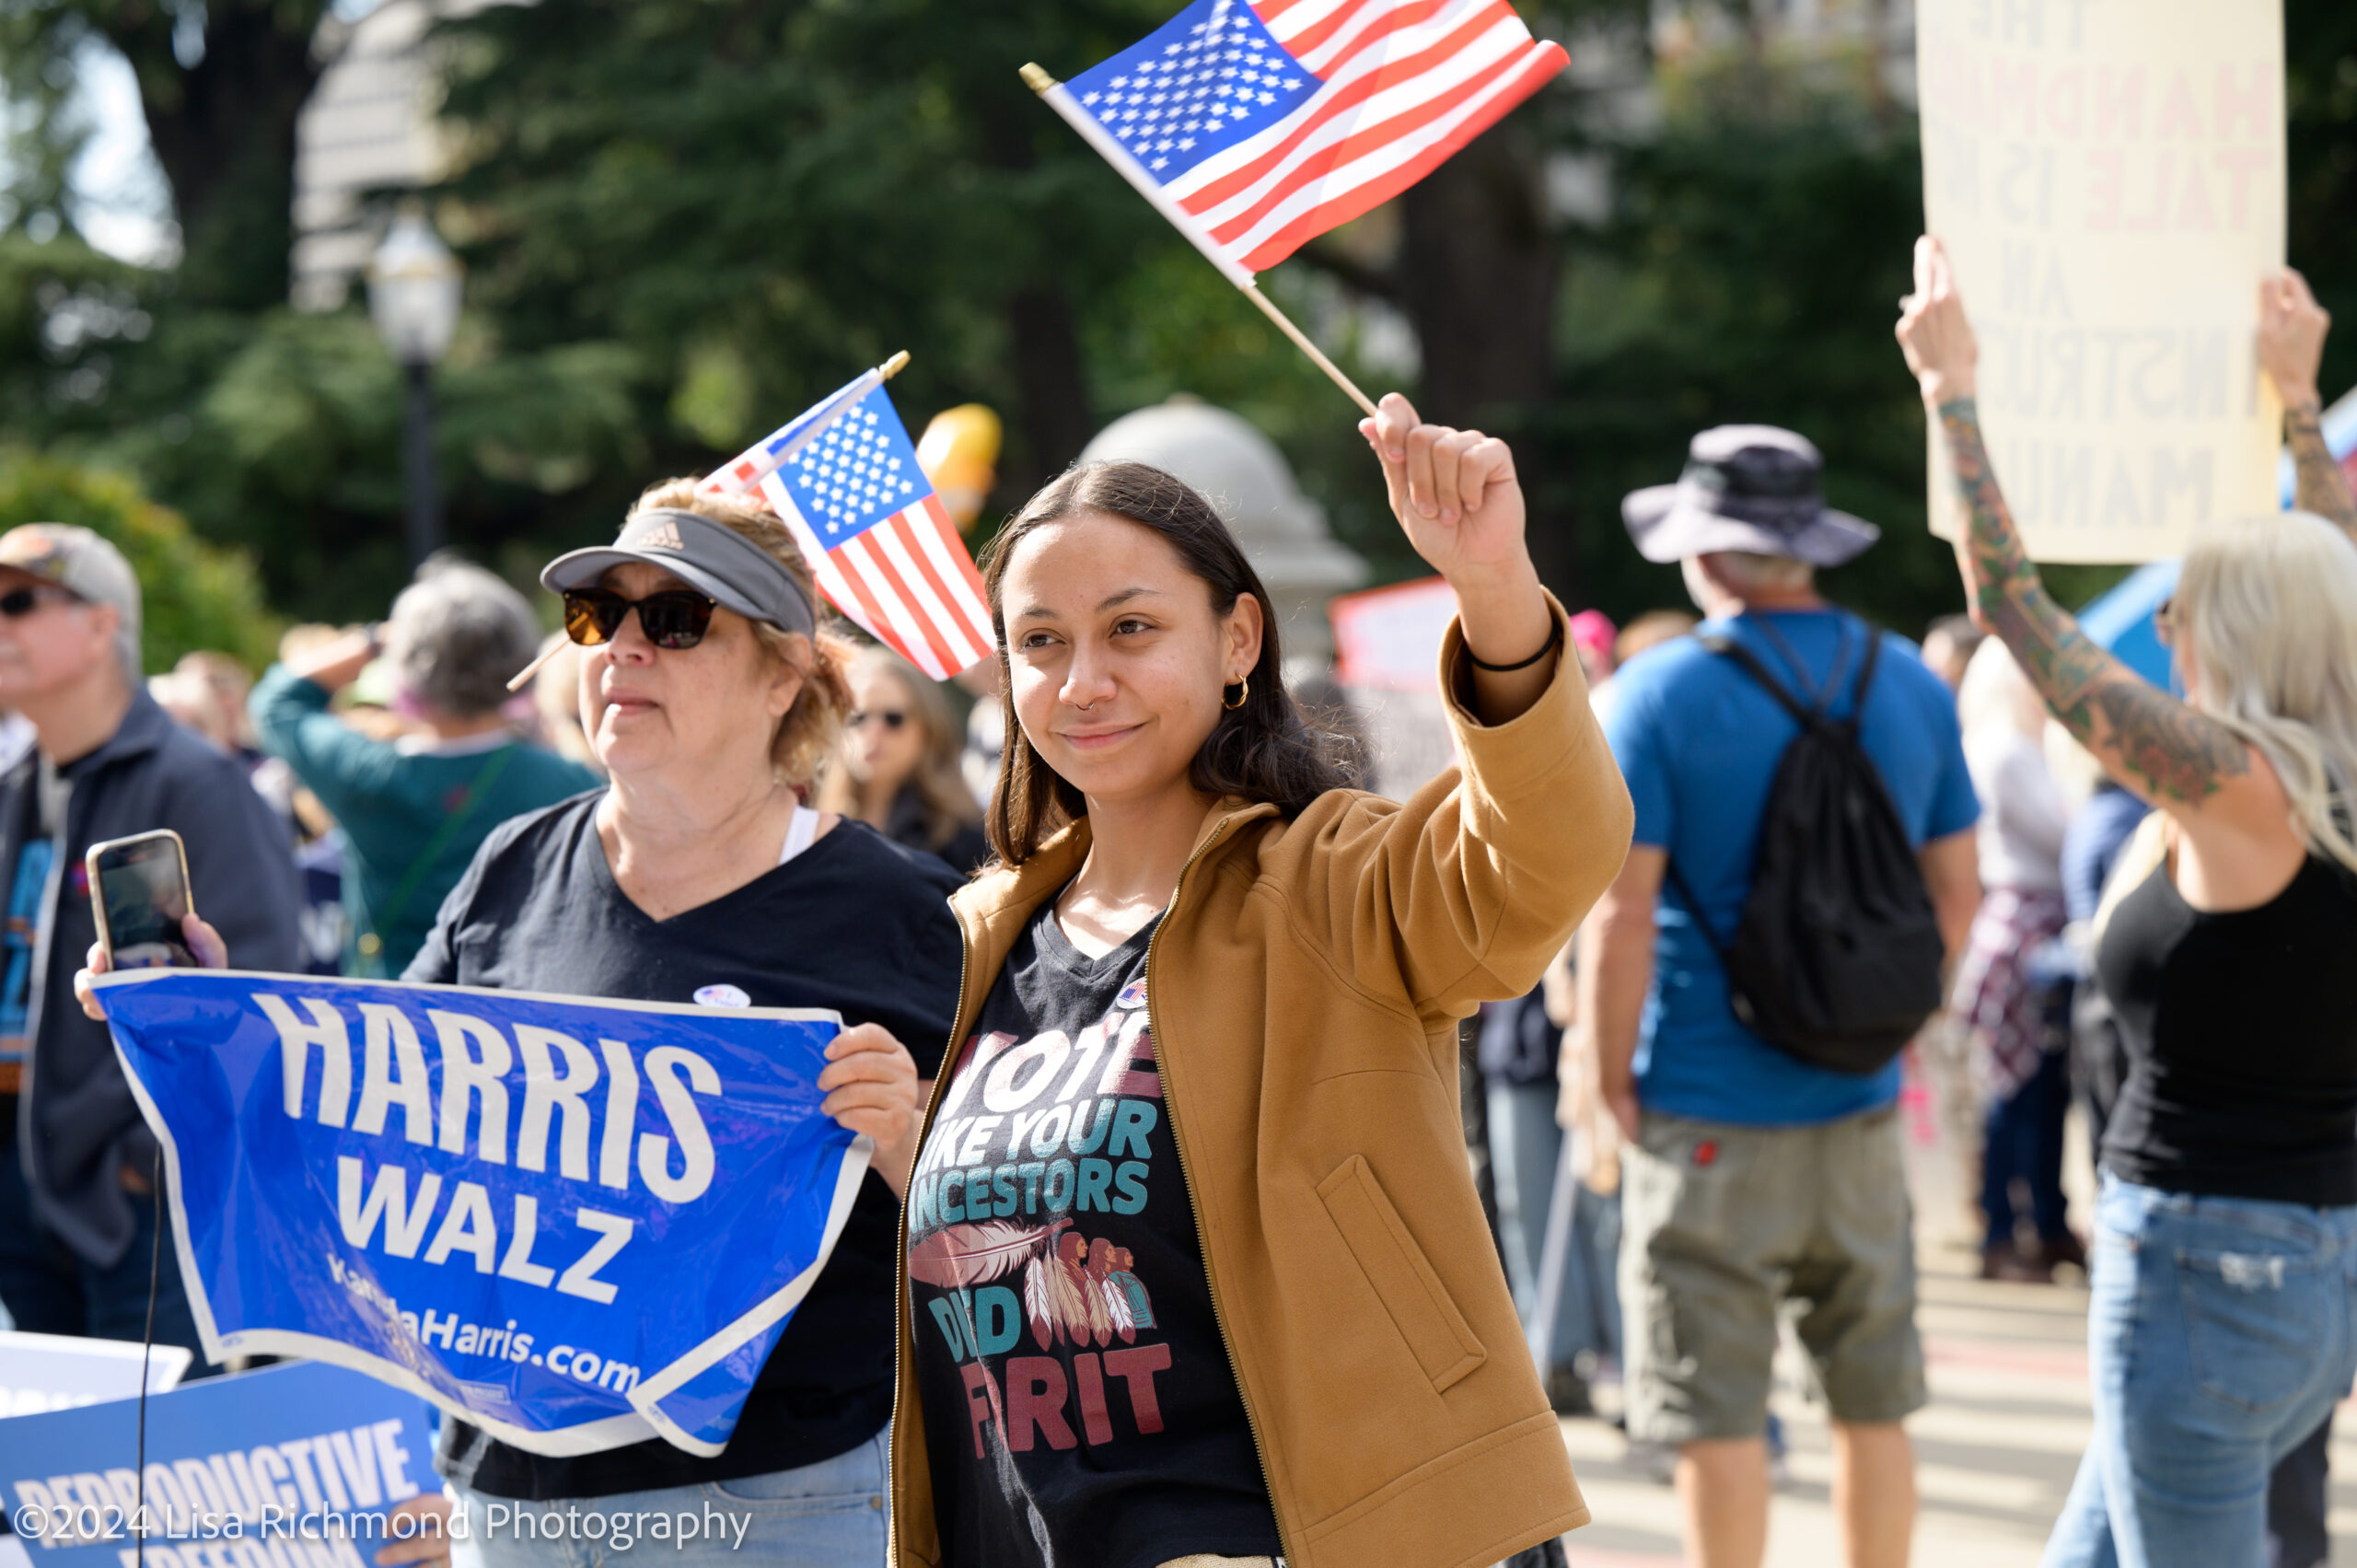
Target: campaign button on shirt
column 722, row 997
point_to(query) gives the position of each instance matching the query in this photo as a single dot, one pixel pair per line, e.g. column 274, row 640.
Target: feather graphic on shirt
column 959, row 1255
column 1037, row 1309
column 1098, row 1324
column 1056, row 1296
column 1117, row 1303
column 1132, row 1288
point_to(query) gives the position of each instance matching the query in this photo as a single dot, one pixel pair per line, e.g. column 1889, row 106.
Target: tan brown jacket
column 1304, row 988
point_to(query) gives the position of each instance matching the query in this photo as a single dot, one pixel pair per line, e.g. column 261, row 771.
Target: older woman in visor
column 711, row 696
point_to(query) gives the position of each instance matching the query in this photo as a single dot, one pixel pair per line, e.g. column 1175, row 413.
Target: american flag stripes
column 1255, row 127
column 845, row 480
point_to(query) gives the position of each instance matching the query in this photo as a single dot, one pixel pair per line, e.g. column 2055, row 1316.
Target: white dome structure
column 1243, row 475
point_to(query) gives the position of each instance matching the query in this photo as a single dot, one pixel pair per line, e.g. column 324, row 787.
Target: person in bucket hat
column 1748, row 488
column 1750, row 1176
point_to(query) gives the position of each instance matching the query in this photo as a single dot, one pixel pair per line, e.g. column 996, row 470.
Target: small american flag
column 745, row 471
column 1256, row 127
column 845, row 479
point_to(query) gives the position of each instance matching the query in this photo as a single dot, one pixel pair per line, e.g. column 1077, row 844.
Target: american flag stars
column 1210, row 77
column 852, row 476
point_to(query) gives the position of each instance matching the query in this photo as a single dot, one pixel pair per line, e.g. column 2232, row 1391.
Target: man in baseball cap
column 86, row 566
column 77, row 1174
column 1735, row 1150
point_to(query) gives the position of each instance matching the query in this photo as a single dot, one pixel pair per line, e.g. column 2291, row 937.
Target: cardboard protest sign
column 575, row 1224
column 293, row 1467
column 2108, row 179
column 1387, row 647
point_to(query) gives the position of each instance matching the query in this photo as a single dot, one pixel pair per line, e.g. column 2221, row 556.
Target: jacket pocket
column 1436, row 1332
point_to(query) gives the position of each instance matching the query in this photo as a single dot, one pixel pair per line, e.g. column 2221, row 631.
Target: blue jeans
column 2024, row 1139
column 830, row 1514
column 2218, row 1337
column 1561, row 1242
column 1523, row 1144
column 1579, row 1293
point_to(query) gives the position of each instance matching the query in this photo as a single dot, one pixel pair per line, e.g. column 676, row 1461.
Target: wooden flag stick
column 1301, row 340
column 1113, row 153
column 537, row 664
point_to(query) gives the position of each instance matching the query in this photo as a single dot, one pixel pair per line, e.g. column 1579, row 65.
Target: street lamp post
column 413, row 284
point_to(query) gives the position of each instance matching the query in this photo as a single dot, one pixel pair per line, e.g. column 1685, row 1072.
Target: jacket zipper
column 1194, row 1206
column 904, row 1303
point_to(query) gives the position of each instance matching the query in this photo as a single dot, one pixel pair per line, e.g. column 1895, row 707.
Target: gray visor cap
column 716, row 558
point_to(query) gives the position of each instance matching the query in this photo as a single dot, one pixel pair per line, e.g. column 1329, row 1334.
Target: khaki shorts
column 1723, row 1226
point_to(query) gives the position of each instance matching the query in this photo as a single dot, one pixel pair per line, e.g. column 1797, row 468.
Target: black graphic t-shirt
column 1079, row 1407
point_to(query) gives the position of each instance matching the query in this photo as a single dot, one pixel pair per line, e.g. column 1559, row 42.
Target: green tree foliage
column 1760, row 239
column 753, row 201
column 684, row 219
column 221, row 83
column 193, row 595
column 2320, row 70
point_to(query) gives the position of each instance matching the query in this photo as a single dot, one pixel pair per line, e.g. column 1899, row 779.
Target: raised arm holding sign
column 2235, row 764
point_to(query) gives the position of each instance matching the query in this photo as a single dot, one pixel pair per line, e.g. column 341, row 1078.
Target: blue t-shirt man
column 1699, row 741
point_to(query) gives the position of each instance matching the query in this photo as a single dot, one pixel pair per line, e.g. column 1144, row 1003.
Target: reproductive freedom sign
column 576, row 1225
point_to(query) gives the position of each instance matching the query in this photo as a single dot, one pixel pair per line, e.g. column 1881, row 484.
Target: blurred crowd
column 390, row 750
column 1971, row 865
column 334, row 802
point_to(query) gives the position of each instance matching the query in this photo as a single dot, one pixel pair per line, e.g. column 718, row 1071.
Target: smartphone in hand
column 139, row 891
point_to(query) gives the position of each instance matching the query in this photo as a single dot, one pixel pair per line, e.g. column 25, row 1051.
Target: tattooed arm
column 2292, row 327
column 2148, row 742
column 2145, row 739
column 2324, row 484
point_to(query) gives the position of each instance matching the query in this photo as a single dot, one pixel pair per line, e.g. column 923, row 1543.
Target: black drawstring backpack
column 1836, row 959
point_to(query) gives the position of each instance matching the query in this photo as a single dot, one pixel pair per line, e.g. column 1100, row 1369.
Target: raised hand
column 1454, row 492
column 1933, row 332
column 1456, row 497
column 2292, row 327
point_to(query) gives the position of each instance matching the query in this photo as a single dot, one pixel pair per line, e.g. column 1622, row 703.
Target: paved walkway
column 1995, row 1449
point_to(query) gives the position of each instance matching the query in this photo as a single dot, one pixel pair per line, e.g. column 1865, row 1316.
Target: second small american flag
column 879, row 541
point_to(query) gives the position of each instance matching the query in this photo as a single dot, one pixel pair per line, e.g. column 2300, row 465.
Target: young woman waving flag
column 1194, row 1266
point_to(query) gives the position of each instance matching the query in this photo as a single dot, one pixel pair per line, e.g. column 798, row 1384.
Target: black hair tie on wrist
column 1554, row 641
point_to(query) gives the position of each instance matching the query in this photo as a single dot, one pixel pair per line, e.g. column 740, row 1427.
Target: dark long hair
column 1264, row 751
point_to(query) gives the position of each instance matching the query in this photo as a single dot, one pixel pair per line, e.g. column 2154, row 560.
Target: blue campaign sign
column 295, row 1466
column 575, row 1224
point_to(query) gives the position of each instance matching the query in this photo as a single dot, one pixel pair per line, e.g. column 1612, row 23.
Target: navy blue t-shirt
column 1698, row 741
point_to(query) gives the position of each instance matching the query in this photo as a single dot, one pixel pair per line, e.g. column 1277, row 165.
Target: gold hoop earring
column 1240, row 696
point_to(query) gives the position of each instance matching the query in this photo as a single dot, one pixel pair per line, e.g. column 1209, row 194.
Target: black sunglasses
column 23, row 599
column 672, row 618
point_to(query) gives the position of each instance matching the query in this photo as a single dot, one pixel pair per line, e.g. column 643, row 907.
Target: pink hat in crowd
column 1592, row 633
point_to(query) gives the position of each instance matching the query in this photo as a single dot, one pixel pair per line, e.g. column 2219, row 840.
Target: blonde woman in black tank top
column 2225, row 1260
